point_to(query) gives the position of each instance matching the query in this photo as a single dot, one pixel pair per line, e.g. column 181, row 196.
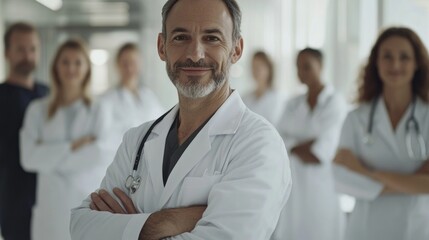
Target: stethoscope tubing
column 410, row 123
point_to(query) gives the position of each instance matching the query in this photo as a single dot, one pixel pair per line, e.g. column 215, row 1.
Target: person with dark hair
column 62, row 140
column 264, row 100
column 310, row 127
column 131, row 103
column 207, row 169
column 17, row 187
column 383, row 156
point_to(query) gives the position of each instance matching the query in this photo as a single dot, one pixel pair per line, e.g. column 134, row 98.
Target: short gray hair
column 231, row 5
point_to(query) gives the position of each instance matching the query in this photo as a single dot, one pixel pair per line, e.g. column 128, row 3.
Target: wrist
column 159, row 225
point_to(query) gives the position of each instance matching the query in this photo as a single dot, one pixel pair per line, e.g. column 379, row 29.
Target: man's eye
column 212, row 38
column 180, row 38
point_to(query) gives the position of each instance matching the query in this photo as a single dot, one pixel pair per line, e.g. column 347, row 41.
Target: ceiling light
column 97, row 20
column 99, row 57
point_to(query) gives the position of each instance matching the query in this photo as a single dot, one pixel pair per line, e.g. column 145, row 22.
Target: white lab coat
column 130, row 111
column 64, row 177
column 375, row 216
column 269, row 105
column 237, row 165
column 312, row 211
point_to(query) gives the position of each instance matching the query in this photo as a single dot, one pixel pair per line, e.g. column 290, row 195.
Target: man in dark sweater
column 17, row 187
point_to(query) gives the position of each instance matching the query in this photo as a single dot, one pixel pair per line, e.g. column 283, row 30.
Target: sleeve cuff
column 289, row 143
column 322, row 152
column 355, row 184
column 134, row 226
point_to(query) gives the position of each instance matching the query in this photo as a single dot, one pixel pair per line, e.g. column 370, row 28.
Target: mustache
column 191, row 64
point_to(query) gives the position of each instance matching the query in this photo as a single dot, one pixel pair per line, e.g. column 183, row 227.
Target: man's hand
column 159, row 225
column 79, row 143
column 103, row 201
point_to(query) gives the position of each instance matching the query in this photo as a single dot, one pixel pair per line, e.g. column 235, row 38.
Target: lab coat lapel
column 55, row 127
column 154, row 149
column 225, row 121
column 199, row 147
column 80, row 122
column 386, row 128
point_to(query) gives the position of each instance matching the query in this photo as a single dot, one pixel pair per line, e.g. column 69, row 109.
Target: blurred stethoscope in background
column 410, row 126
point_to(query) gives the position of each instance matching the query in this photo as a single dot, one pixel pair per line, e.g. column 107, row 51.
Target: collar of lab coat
column 325, row 95
column 225, row 121
column 124, row 93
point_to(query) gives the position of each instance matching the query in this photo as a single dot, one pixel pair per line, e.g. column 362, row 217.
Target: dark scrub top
column 17, row 187
column 173, row 151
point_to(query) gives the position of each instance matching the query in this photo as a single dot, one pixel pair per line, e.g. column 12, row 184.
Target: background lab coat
column 312, row 211
column 130, row 111
column 268, row 105
column 64, row 177
column 394, row 216
column 237, row 164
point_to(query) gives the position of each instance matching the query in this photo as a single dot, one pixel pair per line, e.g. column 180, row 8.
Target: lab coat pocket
column 196, row 190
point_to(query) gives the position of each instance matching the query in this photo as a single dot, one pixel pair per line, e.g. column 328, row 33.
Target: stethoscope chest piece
column 132, row 183
column 367, row 139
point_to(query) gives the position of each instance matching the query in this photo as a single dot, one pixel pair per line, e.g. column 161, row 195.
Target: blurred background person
column 61, row 140
column 383, row 153
column 17, row 187
column 310, row 126
column 131, row 103
column 264, row 99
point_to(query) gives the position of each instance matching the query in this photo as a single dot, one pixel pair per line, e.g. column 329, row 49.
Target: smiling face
column 198, row 47
column 72, row 68
column 396, row 62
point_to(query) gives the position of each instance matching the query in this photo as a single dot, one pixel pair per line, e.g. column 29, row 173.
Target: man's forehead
column 206, row 14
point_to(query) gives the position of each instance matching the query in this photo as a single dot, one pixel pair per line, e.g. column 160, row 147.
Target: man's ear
column 238, row 50
column 161, row 46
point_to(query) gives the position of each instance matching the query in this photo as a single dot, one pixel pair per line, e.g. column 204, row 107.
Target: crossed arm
column 303, row 151
column 159, row 225
column 415, row 183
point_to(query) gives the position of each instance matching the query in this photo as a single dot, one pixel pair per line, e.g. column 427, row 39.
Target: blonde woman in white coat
column 264, row 100
column 310, row 127
column 383, row 157
column 130, row 103
column 61, row 140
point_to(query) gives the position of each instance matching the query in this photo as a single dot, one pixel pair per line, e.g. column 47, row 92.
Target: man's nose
column 196, row 51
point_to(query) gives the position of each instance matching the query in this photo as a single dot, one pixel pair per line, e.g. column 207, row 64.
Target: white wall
column 154, row 73
column 409, row 13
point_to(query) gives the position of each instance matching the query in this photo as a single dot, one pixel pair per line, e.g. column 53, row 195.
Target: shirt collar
column 226, row 120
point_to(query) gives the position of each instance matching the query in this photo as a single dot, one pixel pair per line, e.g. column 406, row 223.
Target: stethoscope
column 411, row 124
column 132, row 183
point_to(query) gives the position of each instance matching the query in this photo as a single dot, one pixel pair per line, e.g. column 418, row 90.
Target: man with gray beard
column 207, row 169
column 17, row 187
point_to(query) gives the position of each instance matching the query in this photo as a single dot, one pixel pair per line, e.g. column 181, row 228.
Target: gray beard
column 193, row 88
